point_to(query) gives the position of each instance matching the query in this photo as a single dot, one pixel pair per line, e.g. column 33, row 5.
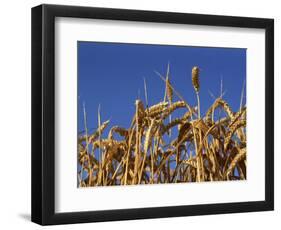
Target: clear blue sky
column 111, row 74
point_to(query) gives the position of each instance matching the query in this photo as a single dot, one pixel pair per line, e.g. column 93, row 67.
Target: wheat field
column 162, row 147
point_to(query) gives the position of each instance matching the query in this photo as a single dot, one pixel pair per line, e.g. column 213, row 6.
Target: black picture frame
column 43, row 114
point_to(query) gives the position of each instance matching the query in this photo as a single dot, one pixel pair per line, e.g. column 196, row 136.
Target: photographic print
column 155, row 114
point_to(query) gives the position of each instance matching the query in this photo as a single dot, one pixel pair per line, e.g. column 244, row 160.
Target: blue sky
column 111, row 74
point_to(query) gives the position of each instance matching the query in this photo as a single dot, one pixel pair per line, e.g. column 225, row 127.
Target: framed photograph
column 142, row 114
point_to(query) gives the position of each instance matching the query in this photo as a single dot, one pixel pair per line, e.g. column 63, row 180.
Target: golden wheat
column 203, row 148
